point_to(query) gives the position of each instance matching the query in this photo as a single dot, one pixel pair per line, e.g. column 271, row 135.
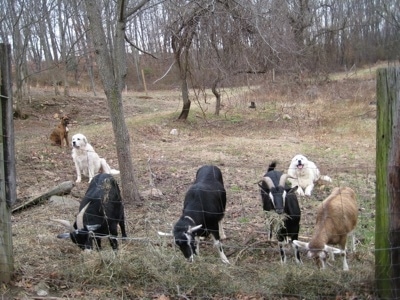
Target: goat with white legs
column 279, row 197
column 336, row 219
column 203, row 210
column 100, row 213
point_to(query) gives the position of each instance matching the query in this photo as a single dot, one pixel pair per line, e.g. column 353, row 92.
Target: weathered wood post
column 7, row 165
column 387, row 224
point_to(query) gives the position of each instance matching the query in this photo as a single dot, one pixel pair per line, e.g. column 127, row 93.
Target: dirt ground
column 332, row 124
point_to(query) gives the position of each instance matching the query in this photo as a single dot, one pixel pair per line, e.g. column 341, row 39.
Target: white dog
column 87, row 161
column 304, row 173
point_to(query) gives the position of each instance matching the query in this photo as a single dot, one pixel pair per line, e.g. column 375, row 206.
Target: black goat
column 203, row 210
column 100, row 213
column 279, row 197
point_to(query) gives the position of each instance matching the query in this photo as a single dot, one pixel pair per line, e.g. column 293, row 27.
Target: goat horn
column 269, row 182
column 192, row 229
column 282, row 180
column 65, row 223
column 79, row 217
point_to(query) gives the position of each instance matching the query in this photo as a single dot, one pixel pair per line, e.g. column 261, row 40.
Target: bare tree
column 209, row 50
column 182, row 31
column 111, row 60
column 20, row 31
column 214, row 43
column 48, row 36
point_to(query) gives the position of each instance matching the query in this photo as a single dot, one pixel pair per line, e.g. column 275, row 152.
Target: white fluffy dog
column 87, row 161
column 304, row 173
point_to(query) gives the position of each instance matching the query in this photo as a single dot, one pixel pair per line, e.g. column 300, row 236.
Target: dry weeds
column 332, row 123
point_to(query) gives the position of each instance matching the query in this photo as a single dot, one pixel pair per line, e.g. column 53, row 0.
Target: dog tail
column 106, row 168
column 325, row 178
column 114, row 172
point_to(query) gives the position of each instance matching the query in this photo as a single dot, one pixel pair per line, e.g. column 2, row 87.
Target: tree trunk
column 387, row 221
column 63, row 49
column 7, row 167
column 89, row 57
column 217, row 96
column 181, row 41
column 186, row 101
column 112, row 70
column 62, row 189
column 18, row 57
column 54, row 49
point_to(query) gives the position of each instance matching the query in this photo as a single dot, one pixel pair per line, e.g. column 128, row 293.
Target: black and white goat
column 203, row 210
column 100, row 213
column 336, row 219
column 277, row 196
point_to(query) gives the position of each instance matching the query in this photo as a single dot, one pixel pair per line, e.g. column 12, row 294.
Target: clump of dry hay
column 275, row 222
column 139, row 270
column 154, row 267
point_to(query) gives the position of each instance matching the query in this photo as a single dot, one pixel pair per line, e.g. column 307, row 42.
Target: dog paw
column 300, row 191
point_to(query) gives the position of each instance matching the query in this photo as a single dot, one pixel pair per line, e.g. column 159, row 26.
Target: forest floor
column 333, row 123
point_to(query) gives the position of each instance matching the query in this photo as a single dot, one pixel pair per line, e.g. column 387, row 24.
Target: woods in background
column 206, row 41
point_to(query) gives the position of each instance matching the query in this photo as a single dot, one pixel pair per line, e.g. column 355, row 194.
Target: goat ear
column 292, row 190
column 260, row 184
column 160, row 233
column 333, row 250
column 301, row 244
column 93, row 227
column 63, row 235
column 193, row 229
column 65, row 223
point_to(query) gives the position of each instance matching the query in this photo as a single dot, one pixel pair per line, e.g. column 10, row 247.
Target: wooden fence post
column 7, row 165
column 387, row 222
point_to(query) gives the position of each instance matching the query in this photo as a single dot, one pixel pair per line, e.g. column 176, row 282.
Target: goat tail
column 272, row 166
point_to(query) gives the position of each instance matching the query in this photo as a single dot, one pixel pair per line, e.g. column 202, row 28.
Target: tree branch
column 165, row 73
column 136, row 8
column 137, row 48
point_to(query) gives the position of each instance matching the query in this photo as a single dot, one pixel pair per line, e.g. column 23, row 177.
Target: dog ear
column 84, row 140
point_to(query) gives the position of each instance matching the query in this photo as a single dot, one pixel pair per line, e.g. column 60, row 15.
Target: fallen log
column 63, row 189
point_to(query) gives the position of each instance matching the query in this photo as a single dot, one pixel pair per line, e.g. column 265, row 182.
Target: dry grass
column 331, row 123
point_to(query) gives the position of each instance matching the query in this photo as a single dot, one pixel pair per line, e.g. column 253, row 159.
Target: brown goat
column 336, row 218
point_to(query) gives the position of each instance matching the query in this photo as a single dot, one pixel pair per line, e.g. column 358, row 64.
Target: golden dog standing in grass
column 60, row 133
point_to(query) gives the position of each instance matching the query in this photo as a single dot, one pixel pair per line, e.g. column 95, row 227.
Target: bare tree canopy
column 210, row 41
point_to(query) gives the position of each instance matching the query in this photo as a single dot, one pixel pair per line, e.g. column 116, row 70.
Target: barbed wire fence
column 247, row 247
